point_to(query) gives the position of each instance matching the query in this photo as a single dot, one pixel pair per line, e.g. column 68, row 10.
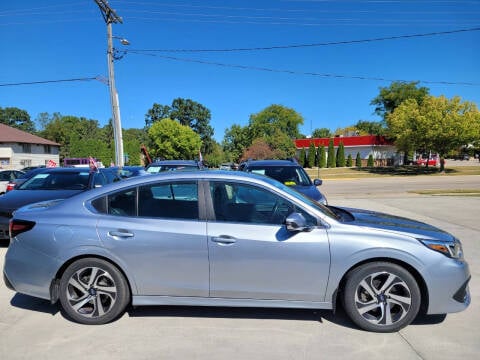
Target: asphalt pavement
column 32, row 328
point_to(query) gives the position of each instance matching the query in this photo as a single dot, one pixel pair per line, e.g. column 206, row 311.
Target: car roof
column 174, row 162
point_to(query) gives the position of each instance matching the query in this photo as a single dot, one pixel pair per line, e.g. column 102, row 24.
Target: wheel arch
column 54, row 286
column 412, row 270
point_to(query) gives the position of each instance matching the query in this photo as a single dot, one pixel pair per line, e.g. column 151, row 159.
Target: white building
column 19, row 149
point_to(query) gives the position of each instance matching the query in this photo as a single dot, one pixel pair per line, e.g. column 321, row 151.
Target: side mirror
column 317, row 182
column 296, row 222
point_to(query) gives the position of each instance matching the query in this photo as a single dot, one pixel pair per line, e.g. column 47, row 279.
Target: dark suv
column 51, row 184
column 173, row 165
column 288, row 172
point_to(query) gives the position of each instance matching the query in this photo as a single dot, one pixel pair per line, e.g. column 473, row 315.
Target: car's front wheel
column 381, row 297
column 93, row 291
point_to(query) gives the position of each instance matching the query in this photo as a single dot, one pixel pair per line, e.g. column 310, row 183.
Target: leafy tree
column 216, row 157
column 156, row 113
column 281, row 144
column 321, row 133
column 322, row 157
column 310, row 156
column 17, row 118
column 437, row 124
column 188, row 113
column 235, row 141
column 341, row 155
column 173, row 140
column 371, row 127
column 349, row 160
column 370, row 161
column 302, row 157
column 275, row 117
column 391, row 97
column 358, row 160
column 258, row 150
column 74, row 134
column 331, row 161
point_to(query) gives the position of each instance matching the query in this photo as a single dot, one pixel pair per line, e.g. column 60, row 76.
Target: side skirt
column 200, row 301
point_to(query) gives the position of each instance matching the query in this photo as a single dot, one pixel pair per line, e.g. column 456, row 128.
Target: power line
column 293, row 46
column 98, row 78
column 293, row 72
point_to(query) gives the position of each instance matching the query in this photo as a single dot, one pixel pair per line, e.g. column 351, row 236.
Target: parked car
column 20, row 180
column 288, row 172
column 173, row 165
column 221, row 238
column 51, row 183
column 7, row 176
column 132, row 171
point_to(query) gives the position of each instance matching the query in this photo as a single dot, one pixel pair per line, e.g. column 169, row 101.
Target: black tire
column 381, row 297
column 93, row 291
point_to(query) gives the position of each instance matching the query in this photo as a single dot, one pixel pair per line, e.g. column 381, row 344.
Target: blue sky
column 330, row 85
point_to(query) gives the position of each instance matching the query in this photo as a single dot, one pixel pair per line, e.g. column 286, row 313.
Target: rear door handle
column 224, row 239
column 120, row 233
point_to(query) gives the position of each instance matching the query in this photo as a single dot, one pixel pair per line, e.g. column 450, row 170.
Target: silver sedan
column 230, row 239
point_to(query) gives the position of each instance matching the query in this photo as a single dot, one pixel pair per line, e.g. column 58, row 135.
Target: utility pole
column 110, row 16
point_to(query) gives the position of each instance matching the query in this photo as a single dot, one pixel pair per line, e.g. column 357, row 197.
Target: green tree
column 391, row 97
column 371, row 127
column 349, row 160
column 235, row 141
column 311, row 156
column 216, row 157
column 74, row 134
column 437, row 124
column 281, row 144
column 358, row 160
column 173, row 140
column 331, row 161
column 370, row 161
column 188, row 113
column 275, row 117
column 17, row 118
column 322, row 157
column 341, row 155
column 321, row 133
column 302, row 157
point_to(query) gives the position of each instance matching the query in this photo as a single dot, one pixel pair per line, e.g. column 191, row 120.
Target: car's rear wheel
column 381, row 297
column 93, row 291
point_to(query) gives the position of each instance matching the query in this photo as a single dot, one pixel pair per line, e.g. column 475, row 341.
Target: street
column 32, row 328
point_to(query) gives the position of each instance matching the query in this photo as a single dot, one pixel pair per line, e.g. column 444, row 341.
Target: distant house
column 383, row 151
column 19, row 149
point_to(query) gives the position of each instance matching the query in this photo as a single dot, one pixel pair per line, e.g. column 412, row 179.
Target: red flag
column 92, row 163
column 51, row 164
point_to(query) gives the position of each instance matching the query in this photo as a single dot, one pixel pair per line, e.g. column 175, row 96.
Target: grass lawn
column 349, row 173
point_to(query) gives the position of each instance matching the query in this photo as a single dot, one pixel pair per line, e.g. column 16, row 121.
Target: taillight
column 10, row 187
column 19, row 226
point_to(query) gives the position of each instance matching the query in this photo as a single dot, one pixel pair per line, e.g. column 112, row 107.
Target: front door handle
column 120, row 233
column 224, row 239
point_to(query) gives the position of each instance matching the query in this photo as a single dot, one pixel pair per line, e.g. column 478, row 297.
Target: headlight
column 452, row 249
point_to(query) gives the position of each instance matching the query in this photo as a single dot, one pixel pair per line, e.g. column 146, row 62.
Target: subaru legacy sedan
column 230, row 239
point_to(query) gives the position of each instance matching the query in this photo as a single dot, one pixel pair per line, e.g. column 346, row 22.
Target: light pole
column 110, row 17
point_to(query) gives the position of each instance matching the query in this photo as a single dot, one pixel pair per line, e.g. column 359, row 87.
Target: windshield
column 305, row 199
column 57, row 181
column 288, row 175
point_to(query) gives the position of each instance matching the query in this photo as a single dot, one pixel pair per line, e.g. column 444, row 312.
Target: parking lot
column 32, row 328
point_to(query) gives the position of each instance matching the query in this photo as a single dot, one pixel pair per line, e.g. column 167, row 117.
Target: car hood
column 15, row 199
column 310, row 191
column 396, row 224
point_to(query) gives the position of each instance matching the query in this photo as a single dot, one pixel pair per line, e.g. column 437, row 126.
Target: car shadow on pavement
column 321, row 316
column 34, row 304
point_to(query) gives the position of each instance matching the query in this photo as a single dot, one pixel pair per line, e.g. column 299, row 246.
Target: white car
column 6, row 176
